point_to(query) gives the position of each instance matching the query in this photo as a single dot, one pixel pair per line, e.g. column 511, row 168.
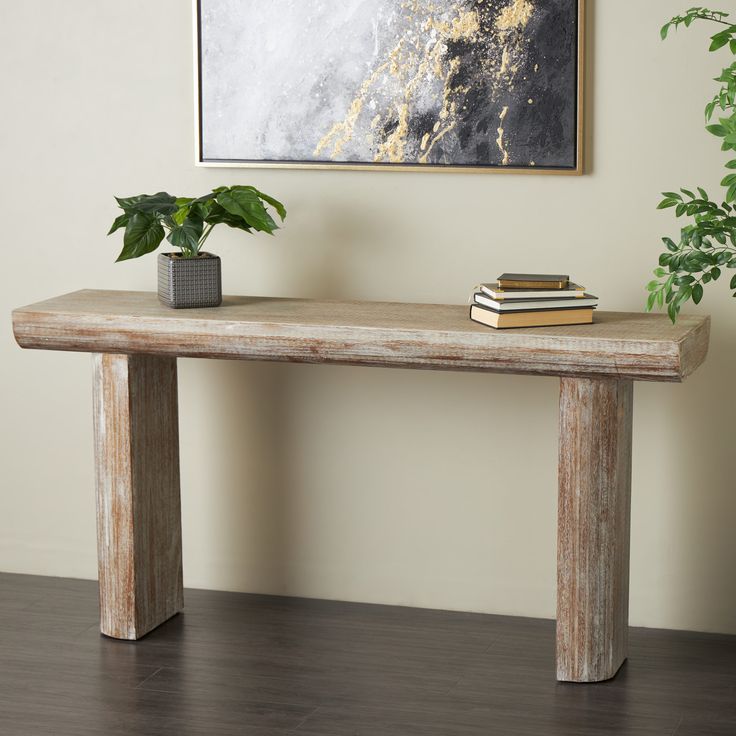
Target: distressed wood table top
column 435, row 336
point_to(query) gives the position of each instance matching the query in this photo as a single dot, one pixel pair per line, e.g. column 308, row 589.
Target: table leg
column 138, row 505
column 593, row 528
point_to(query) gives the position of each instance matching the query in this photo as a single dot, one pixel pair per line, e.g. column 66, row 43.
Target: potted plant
column 190, row 277
column 706, row 245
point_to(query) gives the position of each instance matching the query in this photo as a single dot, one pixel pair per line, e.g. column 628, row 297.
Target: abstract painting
column 435, row 84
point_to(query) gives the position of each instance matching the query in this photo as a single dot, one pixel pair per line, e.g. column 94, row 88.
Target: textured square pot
column 185, row 283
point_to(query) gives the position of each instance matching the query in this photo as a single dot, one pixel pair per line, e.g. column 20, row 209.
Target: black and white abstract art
column 487, row 84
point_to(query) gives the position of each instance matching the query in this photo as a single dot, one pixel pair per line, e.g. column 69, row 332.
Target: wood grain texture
column 248, row 665
column 632, row 346
column 138, row 505
column 593, row 528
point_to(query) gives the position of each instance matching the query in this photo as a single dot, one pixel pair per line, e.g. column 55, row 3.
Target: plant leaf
column 187, row 234
column 718, row 130
column 719, row 40
column 143, row 234
column 218, row 215
column 120, row 221
column 245, row 204
column 274, row 203
column 127, row 203
column 161, row 203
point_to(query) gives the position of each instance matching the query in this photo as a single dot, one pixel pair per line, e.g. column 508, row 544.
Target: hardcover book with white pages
column 497, row 292
column 544, row 318
column 528, row 305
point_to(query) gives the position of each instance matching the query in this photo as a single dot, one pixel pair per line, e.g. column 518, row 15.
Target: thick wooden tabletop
column 435, row 336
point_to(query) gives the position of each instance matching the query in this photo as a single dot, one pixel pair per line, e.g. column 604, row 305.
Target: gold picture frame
column 579, row 146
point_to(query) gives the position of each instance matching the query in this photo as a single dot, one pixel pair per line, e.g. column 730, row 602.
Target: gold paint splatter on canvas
column 515, row 15
column 420, row 64
column 499, row 141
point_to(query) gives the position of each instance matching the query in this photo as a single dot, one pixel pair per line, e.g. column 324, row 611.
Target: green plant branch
column 708, row 243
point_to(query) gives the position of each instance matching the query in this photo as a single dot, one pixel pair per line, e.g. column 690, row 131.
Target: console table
column 135, row 342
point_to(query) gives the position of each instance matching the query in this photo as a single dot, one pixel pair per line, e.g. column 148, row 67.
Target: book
column 526, row 305
column 546, row 318
column 496, row 292
column 532, row 281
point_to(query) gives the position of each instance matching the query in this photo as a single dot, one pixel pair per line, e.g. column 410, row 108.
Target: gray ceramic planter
column 185, row 283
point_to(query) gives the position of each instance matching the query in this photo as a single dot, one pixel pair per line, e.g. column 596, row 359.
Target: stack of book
column 532, row 300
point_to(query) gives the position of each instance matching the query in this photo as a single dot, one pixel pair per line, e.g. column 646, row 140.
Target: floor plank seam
column 146, row 679
column 304, row 720
column 679, row 723
column 494, row 641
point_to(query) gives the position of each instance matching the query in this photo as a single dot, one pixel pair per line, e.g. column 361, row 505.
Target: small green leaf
column 684, row 294
column 717, row 130
column 719, row 40
column 697, row 293
column 161, row 203
column 120, row 221
column 186, row 235
column 671, row 246
column 245, row 204
column 126, row 203
column 664, row 31
column 652, row 285
column 672, row 311
column 143, row 234
column 181, row 214
column 650, row 301
column 280, row 209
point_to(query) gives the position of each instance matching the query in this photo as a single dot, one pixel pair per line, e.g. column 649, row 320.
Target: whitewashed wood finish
column 138, row 506
column 435, row 336
column 593, row 528
column 139, row 523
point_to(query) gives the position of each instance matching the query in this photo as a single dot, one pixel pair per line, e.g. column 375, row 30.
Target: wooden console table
column 135, row 343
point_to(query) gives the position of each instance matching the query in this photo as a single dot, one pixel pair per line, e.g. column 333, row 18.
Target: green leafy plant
column 186, row 222
column 707, row 243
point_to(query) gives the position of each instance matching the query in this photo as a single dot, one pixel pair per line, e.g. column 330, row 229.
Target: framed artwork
column 479, row 85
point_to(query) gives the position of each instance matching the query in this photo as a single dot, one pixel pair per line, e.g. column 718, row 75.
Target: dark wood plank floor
column 264, row 666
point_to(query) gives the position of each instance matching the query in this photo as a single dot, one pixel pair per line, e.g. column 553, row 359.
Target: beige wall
column 359, row 484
